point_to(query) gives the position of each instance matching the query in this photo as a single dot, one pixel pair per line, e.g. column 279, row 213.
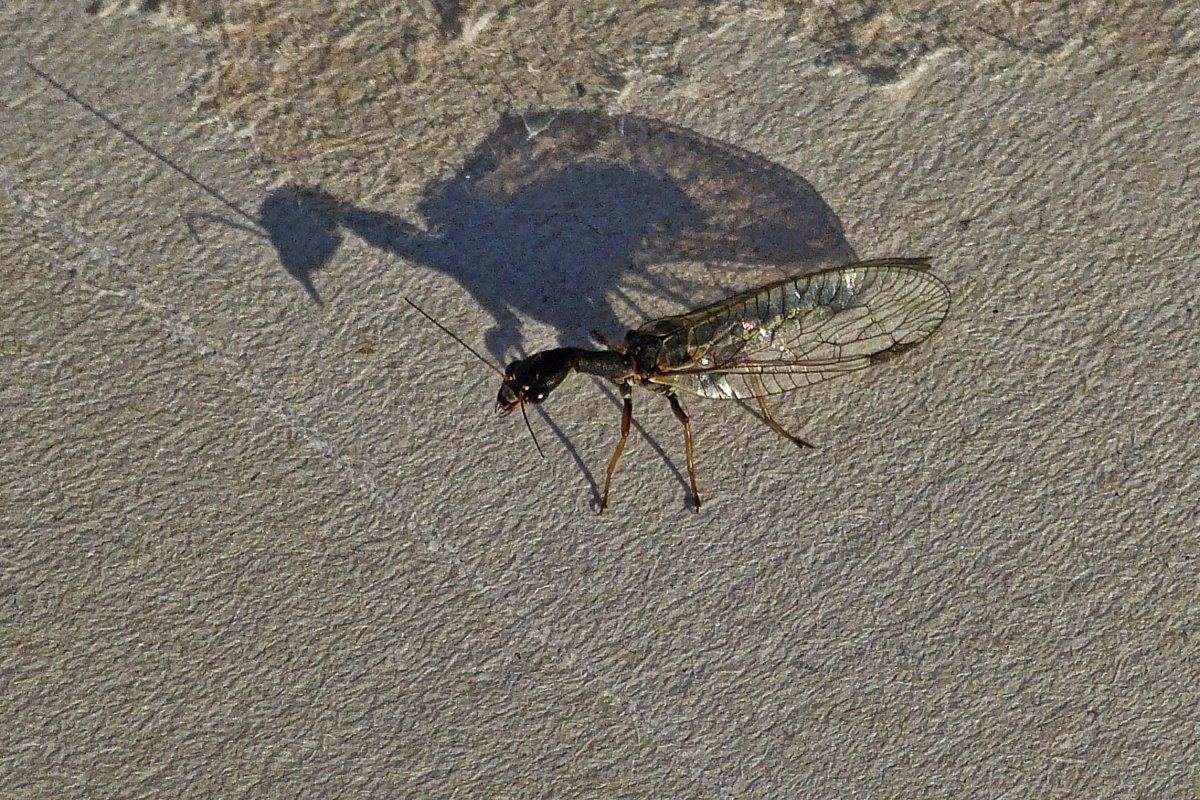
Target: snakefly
column 786, row 335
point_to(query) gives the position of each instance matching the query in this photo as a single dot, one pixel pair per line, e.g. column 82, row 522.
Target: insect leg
column 791, row 437
column 682, row 416
column 626, row 419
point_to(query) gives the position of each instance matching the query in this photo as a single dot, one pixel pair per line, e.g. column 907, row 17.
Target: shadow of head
column 556, row 216
column 302, row 226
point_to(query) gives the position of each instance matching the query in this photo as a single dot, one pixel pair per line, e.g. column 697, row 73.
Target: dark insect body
column 782, row 336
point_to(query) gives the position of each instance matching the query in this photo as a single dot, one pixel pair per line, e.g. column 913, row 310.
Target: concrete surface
column 262, row 535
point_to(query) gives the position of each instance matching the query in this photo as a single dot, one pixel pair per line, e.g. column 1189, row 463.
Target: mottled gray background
column 262, row 536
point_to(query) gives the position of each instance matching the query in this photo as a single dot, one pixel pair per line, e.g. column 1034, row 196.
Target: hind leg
column 626, row 420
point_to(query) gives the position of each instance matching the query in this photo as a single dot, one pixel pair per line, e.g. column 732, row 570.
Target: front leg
column 626, row 420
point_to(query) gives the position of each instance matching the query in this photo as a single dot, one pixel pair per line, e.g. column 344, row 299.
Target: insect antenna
column 531, row 433
column 475, row 353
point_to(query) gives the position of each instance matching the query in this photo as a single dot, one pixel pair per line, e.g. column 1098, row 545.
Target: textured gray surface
column 256, row 546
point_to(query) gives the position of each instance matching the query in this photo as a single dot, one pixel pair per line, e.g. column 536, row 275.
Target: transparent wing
column 800, row 331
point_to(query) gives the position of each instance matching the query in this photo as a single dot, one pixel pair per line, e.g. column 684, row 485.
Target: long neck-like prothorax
column 601, row 363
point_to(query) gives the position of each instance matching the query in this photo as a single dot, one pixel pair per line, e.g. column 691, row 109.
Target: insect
column 786, row 335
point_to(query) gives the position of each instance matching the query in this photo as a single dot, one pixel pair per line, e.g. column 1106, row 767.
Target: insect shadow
column 557, row 213
column 568, row 218
column 583, row 222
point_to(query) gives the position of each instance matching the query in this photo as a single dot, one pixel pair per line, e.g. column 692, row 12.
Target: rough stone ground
column 262, row 536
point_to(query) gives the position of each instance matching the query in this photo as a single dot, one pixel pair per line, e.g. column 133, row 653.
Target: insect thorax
column 655, row 352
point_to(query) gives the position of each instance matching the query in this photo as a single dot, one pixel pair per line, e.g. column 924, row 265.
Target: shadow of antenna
column 133, row 137
column 300, row 225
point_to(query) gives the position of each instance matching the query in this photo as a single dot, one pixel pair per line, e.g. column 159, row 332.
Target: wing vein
column 804, row 330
